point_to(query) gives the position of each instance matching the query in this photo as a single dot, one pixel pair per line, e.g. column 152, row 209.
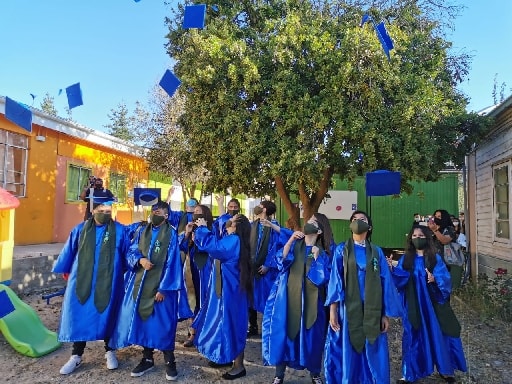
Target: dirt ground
column 488, row 348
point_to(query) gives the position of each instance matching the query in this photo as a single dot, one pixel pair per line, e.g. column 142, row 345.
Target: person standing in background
column 94, row 189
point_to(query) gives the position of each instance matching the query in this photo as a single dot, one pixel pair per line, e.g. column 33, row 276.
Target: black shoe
column 170, row 371
column 316, row 379
column 144, row 366
column 189, row 343
column 403, row 381
column 213, row 364
column 448, row 379
column 253, row 331
column 229, row 376
column 278, row 380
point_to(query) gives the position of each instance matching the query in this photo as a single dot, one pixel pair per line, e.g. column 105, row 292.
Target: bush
column 490, row 297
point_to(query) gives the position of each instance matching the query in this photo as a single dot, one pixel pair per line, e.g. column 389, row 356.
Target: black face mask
column 419, row 243
column 437, row 221
column 310, row 229
column 157, row 220
column 196, row 216
column 233, row 212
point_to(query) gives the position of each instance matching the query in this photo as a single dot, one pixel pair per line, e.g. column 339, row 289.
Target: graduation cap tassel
column 382, row 34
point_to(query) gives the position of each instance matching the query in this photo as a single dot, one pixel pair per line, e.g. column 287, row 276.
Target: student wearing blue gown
column 294, row 321
column 431, row 332
column 201, row 261
column 94, row 258
column 219, row 225
column 221, row 324
column 361, row 295
column 149, row 310
column 267, row 237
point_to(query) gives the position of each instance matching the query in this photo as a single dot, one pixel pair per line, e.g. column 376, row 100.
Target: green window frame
column 117, row 186
column 77, row 178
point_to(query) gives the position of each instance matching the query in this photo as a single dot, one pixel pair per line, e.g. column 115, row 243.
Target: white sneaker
column 73, row 363
column 111, row 360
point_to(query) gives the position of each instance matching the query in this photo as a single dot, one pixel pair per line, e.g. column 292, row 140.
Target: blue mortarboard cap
column 382, row 183
column 194, row 16
column 149, row 198
column 20, row 114
column 6, row 305
column 102, row 200
column 169, row 83
column 366, row 17
column 139, row 191
column 385, row 40
column 191, row 203
column 74, row 94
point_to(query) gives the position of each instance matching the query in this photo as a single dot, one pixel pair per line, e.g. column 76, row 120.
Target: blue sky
column 115, row 49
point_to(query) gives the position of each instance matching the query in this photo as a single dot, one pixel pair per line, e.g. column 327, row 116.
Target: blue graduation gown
column 83, row 322
column 305, row 351
column 159, row 329
column 219, row 225
column 262, row 284
column 221, row 323
column 426, row 347
column 342, row 363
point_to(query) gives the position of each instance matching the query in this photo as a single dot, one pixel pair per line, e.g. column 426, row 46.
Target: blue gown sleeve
column 400, row 275
column 172, row 279
column 133, row 255
column 221, row 249
column 442, row 286
column 69, row 252
column 335, row 288
column 174, row 218
column 392, row 304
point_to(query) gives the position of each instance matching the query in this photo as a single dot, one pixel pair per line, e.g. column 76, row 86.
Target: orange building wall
column 43, row 215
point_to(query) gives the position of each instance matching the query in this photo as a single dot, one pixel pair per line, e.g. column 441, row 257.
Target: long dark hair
column 326, row 235
column 446, row 220
column 207, row 216
column 429, row 252
column 243, row 230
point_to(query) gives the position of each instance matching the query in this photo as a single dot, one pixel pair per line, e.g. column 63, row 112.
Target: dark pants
column 147, row 353
column 79, row 347
column 253, row 319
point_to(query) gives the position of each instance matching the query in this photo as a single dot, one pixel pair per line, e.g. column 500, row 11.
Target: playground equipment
column 22, row 328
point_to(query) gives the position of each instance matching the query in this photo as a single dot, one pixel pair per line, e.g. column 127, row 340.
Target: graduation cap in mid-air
column 20, row 114
column 74, row 94
column 170, row 83
column 194, row 16
column 149, row 198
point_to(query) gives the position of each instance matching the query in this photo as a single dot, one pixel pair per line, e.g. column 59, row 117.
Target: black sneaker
column 170, row 371
column 144, row 366
column 316, row 379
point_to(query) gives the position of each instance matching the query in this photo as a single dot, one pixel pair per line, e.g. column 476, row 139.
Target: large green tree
column 283, row 95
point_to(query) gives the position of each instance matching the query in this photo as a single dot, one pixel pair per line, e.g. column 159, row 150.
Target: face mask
column 437, row 221
column 157, row 220
column 102, row 218
column 359, row 226
column 419, row 242
column 233, row 212
column 455, row 223
column 310, row 229
column 417, row 219
column 258, row 210
column 196, row 216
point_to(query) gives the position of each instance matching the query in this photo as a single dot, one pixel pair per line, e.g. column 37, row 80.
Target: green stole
column 152, row 278
column 363, row 320
column 105, row 271
column 296, row 278
column 258, row 255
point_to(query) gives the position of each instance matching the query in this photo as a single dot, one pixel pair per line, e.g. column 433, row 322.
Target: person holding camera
column 95, row 189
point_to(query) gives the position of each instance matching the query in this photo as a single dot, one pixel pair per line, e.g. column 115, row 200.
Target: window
column 13, row 162
column 78, row 177
column 117, row 186
column 502, row 201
